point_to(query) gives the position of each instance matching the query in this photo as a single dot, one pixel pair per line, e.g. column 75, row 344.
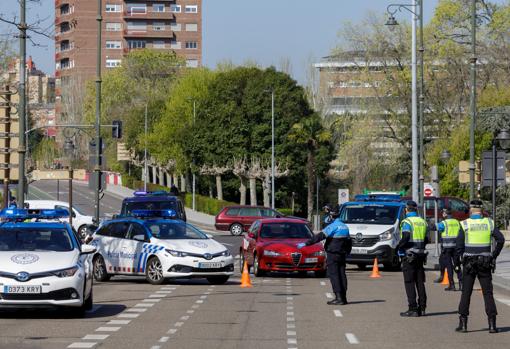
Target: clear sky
column 265, row 31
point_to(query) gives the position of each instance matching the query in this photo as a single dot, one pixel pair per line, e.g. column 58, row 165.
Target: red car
column 460, row 208
column 271, row 245
column 238, row 219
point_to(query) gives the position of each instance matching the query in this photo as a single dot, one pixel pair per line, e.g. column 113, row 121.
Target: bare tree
column 240, row 169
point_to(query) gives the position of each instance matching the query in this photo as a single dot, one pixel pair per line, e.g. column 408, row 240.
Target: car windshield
column 369, row 214
column 174, row 231
column 40, row 239
column 285, row 231
column 148, row 205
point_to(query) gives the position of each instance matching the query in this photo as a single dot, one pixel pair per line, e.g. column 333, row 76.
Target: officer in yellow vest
column 413, row 238
column 474, row 245
column 449, row 228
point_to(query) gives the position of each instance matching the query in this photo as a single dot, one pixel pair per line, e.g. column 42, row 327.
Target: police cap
column 412, row 205
column 476, row 203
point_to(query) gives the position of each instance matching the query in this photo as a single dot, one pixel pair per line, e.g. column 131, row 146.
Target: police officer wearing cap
column 413, row 238
column 449, row 228
column 474, row 245
column 338, row 245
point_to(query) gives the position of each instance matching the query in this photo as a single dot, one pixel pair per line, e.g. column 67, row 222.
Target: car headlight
column 318, row 254
column 225, row 253
column 387, row 235
column 270, row 253
column 65, row 272
column 177, row 253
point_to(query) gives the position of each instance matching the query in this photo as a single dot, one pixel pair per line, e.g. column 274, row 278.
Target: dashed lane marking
column 144, row 305
column 329, row 295
column 92, row 337
column 323, row 283
column 82, row 345
column 107, row 329
column 128, row 316
column 164, row 339
column 172, row 331
column 337, row 313
column 136, row 310
column 351, row 338
column 118, row 322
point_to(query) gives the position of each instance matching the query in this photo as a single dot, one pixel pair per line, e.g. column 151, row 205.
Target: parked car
column 238, row 219
column 271, row 245
column 459, row 207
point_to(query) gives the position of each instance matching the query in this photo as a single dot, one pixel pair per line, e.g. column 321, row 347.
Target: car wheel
column 320, row 273
column 82, row 232
column 154, row 271
column 361, row 266
column 236, row 229
column 218, row 280
column 100, row 273
column 241, row 263
column 256, row 270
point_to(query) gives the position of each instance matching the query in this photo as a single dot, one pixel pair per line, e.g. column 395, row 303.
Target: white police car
column 153, row 244
column 42, row 262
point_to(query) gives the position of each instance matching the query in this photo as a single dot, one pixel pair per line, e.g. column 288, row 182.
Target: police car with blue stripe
column 42, row 262
column 155, row 244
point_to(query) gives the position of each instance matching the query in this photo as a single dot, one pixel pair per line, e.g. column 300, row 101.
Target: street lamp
column 445, row 156
column 412, row 8
column 503, row 139
column 69, row 151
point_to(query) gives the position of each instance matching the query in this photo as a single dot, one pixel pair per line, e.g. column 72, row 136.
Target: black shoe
column 343, row 297
column 439, row 280
column 450, row 288
column 410, row 313
column 336, row 301
column 492, row 325
column 460, row 286
column 463, row 324
column 422, row 311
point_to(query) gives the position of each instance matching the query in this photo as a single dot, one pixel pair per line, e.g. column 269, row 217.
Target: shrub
column 206, row 204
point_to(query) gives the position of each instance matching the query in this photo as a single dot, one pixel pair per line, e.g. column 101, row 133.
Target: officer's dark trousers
column 448, row 260
column 414, row 281
column 336, row 272
column 485, row 278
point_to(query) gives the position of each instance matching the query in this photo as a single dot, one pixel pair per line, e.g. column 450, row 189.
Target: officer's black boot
column 462, row 324
column 451, row 287
column 337, row 300
column 492, row 325
column 412, row 312
column 460, row 286
column 343, row 297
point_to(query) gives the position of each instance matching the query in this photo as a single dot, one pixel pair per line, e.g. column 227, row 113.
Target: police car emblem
column 25, row 258
column 207, row 256
column 359, row 237
column 22, row 276
column 198, row 244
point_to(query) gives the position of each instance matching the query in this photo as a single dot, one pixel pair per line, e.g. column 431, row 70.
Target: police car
column 42, row 262
column 155, row 244
column 374, row 226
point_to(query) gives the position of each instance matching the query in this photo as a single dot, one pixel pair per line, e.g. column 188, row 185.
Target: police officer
column 328, row 218
column 338, row 245
column 474, row 245
column 413, row 238
column 449, row 229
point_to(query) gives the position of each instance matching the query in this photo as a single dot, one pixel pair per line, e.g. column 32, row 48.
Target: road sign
column 487, row 166
column 429, row 190
column 123, row 154
column 39, row 175
column 343, row 196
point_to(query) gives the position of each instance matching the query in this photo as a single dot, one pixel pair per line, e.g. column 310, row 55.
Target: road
column 280, row 311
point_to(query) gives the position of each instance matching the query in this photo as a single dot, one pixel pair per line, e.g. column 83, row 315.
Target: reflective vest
column 450, row 232
column 477, row 236
column 418, row 233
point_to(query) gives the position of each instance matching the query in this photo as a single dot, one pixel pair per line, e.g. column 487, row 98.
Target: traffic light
column 117, row 129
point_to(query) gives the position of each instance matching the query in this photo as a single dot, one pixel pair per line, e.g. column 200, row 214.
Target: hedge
column 206, row 204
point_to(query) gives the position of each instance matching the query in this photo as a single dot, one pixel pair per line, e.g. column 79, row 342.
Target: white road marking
column 290, row 313
column 157, row 295
column 289, row 325
column 290, row 298
column 291, row 333
column 323, row 283
column 338, row 313
column 329, row 295
column 291, row 319
column 128, row 316
column 155, row 347
column 503, row 300
column 136, row 310
column 144, row 305
column 291, row 341
column 203, row 297
column 99, row 337
column 154, row 300
column 118, row 322
column 290, row 308
column 184, row 318
column 200, row 301
column 172, row 331
column 107, row 329
column 164, row 292
column 190, row 311
column 169, row 288
column 179, row 324
column 164, row 339
column 351, row 338
column 82, row 345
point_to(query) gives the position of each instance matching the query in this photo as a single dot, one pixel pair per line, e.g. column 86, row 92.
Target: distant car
column 271, row 245
column 152, row 243
column 158, row 200
column 238, row 219
column 42, row 263
column 80, row 220
column 459, row 207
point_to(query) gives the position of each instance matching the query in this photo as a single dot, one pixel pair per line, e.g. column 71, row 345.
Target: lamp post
column 503, row 138
column 69, row 151
column 472, row 104
column 97, row 167
column 412, row 8
column 272, row 149
column 22, row 113
column 145, row 164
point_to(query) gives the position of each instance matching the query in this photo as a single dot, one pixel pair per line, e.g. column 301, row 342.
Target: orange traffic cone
column 375, row 270
column 446, row 281
column 245, row 277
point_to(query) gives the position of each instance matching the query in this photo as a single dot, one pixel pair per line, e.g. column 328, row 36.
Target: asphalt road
column 279, row 311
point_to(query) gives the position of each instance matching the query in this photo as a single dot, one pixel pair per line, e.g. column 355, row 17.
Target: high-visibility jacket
column 418, row 233
column 450, row 232
column 477, row 236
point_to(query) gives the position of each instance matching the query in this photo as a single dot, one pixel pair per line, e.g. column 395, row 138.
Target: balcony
column 149, row 33
column 148, row 15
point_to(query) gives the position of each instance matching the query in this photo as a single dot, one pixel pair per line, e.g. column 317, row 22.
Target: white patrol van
column 374, row 226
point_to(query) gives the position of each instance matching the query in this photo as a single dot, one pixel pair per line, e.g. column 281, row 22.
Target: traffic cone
column 446, row 281
column 245, row 277
column 375, row 270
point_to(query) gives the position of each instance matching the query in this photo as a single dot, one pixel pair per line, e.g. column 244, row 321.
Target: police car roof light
column 21, row 214
column 140, row 193
column 377, row 197
column 151, row 193
column 154, row 213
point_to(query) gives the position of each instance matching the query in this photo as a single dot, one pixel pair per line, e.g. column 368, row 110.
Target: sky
column 264, row 31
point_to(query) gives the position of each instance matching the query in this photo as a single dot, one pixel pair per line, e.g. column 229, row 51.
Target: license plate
column 210, row 265
column 359, row 251
column 311, row 260
column 22, row 289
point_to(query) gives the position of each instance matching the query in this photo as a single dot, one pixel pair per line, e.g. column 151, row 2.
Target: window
column 176, row 27
column 234, row 211
column 112, row 63
column 65, row 63
column 113, row 27
column 175, row 8
column 137, row 229
column 249, row 212
column 113, row 8
column 136, row 9
column 191, row 9
column 158, row 8
column 192, row 63
column 65, row 9
column 175, row 45
column 65, row 45
column 191, row 27
column 158, row 44
column 158, row 26
column 137, row 26
column 113, row 44
column 65, row 27
column 457, row 205
column 191, row 45
column 118, row 230
column 136, row 44
column 42, row 239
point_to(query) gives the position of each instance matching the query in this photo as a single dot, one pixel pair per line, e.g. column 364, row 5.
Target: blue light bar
column 151, row 193
column 22, row 214
column 377, row 197
column 154, row 213
column 140, row 193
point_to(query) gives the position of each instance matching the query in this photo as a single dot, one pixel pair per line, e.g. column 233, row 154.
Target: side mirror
column 139, row 237
column 88, row 249
column 251, row 235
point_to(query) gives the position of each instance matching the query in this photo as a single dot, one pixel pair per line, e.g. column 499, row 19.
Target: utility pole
column 421, row 109
column 22, row 103
column 414, row 107
column 97, row 168
column 145, row 164
column 272, row 150
column 193, row 173
column 472, row 103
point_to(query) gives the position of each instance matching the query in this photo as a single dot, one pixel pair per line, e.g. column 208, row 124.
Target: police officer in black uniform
column 474, row 245
column 413, row 238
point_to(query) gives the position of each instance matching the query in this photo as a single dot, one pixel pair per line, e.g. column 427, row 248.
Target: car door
column 118, row 234
column 248, row 215
column 136, row 237
column 251, row 241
